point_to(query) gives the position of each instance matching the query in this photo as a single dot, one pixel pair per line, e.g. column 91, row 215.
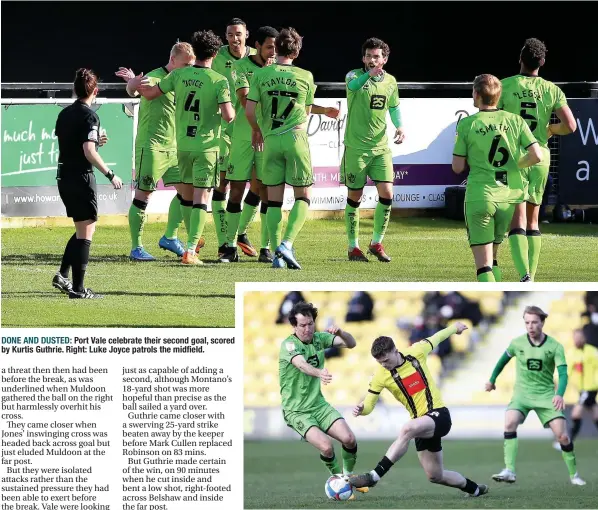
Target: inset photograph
column 420, row 399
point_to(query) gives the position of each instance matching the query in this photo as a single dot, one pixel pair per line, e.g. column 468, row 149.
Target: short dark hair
column 85, row 81
column 289, row 43
column 374, row 43
column 302, row 308
column 264, row 32
column 236, row 21
column 533, row 53
column 205, row 44
column 382, row 345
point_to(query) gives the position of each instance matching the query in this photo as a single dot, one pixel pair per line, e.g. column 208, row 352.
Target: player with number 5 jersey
column 489, row 143
column 535, row 100
column 285, row 94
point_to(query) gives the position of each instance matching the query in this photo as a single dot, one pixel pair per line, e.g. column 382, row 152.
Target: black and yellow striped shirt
column 411, row 383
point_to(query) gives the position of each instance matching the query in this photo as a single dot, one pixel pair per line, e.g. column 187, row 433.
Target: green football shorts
column 322, row 417
column 358, row 164
column 224, row 152
column 487, row 222
column 287, row 159
column 199, row 168
column 152, row 165
column 541, row 405
column 242, row 159
column 535, row 178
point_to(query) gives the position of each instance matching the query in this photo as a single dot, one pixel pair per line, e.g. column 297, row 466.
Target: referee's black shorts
column 78, row 193
column 442, row 419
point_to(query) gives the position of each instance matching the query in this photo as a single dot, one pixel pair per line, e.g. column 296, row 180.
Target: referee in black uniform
column 78, row 133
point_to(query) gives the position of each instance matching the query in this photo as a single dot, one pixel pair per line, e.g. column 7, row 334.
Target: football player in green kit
column 371, row 92
column 155, row 156
column 236, row 49
column 489, row 143
column 203, row 99
column 301, row 374
column 535, row 99
column 285, row 94
column 537, row 355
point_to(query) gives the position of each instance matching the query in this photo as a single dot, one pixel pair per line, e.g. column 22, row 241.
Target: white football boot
column 576, row 480
column 506, row 475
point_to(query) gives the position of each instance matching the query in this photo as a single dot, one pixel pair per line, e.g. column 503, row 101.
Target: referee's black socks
column 79, row 262
column 67, row 257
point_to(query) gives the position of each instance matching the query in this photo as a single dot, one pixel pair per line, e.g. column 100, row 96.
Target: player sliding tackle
column 407, row 377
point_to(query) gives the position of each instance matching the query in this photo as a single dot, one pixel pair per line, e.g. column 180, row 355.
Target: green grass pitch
column 289, row 474
column 167, row 294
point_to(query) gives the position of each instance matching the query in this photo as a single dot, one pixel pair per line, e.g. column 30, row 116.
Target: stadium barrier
column 422, row 165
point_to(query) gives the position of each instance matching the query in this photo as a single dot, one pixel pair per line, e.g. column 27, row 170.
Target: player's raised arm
column 342, row 338
column 433, row 341
column 301, row 364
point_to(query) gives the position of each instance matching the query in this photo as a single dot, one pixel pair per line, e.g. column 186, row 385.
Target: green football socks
column 519, row 248
column 534, row 243
column 175, row 217
column 331, row 464
column 352, row 223
column 381, row 219
column 136, row 222
column 297, row 218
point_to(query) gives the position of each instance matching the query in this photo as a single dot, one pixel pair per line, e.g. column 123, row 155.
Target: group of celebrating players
column 405, row 375
column 242, row 115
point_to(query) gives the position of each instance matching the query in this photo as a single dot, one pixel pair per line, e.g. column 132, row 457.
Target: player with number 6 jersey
column 489, row 143
column 535, row 100
column 285, row 94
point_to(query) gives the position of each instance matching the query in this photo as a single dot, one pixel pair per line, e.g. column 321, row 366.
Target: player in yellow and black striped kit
column 406, row 376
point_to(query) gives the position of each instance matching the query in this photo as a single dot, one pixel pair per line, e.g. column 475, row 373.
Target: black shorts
column 588, row 398
column 78, row 194
column 442, row 419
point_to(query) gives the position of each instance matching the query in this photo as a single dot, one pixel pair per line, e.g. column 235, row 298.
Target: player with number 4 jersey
column 285, row 94
column 203, row 96
column 535, row 100
column 489, row 143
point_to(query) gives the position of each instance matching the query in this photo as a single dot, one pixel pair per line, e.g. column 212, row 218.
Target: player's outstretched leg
column 422, row 426
column 342, row 433
column 433, row 466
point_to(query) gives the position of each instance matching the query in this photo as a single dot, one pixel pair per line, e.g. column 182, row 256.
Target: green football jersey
column 533, row 98
column 155, row 123
column 199, row 91
column 367, row 108
column 283, row 91
column 535, row 365
column 242, row 73
column 492, row 141
column 299, row 391
column 223, row 64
